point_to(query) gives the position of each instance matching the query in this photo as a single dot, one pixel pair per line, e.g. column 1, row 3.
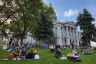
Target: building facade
column 66, row 34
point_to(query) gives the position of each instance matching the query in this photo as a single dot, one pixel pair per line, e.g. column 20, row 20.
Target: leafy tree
column 6, row 10
column 44, row 30
column 3, row 30
column 26, row 14
column 23, row 15
column 85, row 20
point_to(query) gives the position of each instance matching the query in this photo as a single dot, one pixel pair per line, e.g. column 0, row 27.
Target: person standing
column 4, row 44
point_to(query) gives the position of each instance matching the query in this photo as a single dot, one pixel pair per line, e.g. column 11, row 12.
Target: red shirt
column 10, row 56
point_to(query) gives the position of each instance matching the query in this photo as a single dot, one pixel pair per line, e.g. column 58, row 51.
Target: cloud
column 44, row 0
column 93, row 13
column 55, row 11
column 94, row 23
column 70, row 12
column 92, row 10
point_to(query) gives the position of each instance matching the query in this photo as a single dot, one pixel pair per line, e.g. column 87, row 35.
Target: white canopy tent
column 92, row 44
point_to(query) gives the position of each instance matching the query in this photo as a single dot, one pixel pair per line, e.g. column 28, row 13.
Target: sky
column 68, row 10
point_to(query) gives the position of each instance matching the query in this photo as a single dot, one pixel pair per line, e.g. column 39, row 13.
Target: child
column 10, row 56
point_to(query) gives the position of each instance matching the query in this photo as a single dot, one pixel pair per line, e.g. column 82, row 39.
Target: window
column 65, row 41
column 62, row 35
column 62, row 41
column 61, row 28
column 69, row 28
column 70, row 41
column 65, row 28
column 56, row 28
column 55, row 35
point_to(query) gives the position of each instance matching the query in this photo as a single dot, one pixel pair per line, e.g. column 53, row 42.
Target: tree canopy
column 26, row 16
column 84, row 20
column 44, row 30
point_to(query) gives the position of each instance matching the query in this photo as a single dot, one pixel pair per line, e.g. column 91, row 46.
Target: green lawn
column 47, row 57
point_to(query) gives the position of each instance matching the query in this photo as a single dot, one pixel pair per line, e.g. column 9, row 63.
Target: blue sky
column 67, row 10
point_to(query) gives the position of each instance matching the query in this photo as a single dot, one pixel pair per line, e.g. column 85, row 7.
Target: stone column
column 68, row 41
column 74, row 34
column 70, row 34
column 70, row 31
column 64, row 35
column 70, row 37
column 78, row 38
column 59, row 34
column 72, row 44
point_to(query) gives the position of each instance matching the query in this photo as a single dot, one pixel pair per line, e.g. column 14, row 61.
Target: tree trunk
column 21, row 43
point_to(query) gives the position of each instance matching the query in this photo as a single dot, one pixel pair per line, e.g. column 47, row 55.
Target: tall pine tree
column 85, row 20
column 44, row 30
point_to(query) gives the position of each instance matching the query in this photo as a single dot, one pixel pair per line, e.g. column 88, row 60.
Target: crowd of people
column 18, row 54
column 22, row 53
column 86, row 50
column 72, row 56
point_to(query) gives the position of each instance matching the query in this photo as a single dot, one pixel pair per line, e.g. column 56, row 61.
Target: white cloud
column 44, row 0
column 55, row 11
column 92, row 10
column 70, row 12
column 94, row 23
column 93, row 13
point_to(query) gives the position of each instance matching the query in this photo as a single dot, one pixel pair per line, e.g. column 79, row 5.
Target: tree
column 6, row 10
column 3, row 30
column 44, row 30
column 85, row 20
column 25, row 15
column 24, row 18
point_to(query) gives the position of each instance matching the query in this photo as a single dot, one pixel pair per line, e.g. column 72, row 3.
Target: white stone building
column 66, row 34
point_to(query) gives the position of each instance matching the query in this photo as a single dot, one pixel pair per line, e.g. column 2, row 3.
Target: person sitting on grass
column 23, row 54
column 10, row 56
column 87, row 50
column 58, row 53
column 16, row 54
column 51, row 47
column 34, row 52
column 73, row 56
column 29, row 55
column 45, row 46
column 82, row 50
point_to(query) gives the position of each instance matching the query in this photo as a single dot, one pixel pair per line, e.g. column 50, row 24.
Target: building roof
column 69, row 23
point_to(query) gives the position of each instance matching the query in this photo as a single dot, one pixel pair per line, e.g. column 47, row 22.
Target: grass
column 46, row 57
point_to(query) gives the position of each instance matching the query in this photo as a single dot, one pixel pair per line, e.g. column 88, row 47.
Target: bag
column 36, row 56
